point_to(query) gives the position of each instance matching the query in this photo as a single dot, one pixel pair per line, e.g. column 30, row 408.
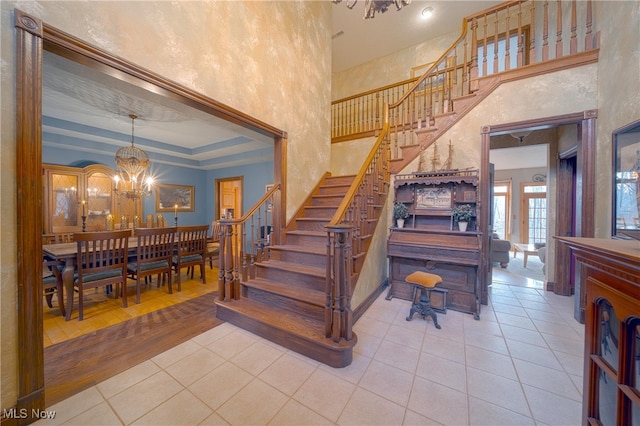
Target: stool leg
column 423, row 307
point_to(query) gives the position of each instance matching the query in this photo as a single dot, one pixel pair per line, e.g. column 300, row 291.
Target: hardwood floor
column 111, row 339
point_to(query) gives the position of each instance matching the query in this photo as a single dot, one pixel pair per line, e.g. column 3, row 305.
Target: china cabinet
column 73, row 192
column 610, row 272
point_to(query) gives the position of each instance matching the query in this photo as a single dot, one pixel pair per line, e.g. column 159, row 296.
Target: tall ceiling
column 87, row 111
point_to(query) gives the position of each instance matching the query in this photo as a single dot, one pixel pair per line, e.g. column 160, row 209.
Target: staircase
column 286, row 301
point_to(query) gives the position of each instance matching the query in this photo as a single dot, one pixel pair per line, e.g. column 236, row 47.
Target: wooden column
column 29, row 43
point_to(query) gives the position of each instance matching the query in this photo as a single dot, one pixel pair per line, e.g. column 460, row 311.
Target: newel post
column 227, row 276
column 338, row 314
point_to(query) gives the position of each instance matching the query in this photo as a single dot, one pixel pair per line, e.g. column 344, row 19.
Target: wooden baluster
column 484, row 49
column 588, row 37
column 465, row 70
column 496, row 31
column 545, row 31
column 559, row 30
column 520, row 38
column 573, row 42
column 473, row 72
column 378, row 125
column 532, row 41
column 507, row 53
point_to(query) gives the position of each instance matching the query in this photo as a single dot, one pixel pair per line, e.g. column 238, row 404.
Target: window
column 502, row 52
column 534, row 213
column 501, row 209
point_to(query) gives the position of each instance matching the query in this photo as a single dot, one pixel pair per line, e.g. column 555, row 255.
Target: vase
column 462, row 226
column 400, row 223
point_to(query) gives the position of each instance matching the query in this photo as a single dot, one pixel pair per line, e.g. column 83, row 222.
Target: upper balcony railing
column 512, row 35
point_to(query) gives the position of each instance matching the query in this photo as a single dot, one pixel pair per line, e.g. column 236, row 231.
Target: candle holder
column 84, row 223
column 175, row 219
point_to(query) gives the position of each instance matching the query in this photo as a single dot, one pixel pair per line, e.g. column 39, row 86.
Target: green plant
column 462, row 213
column 400, row 210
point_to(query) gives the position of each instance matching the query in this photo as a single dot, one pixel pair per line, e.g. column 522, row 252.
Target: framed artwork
column 178, row 198
column 626, row 181
column 433, row 198
column 469, row 196
column 268, row 188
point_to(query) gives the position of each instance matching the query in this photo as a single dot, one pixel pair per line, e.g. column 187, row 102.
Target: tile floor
column 521, row 364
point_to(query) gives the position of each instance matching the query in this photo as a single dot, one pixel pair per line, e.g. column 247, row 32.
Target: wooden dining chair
column 213, row 243
column 191, row 249
column 153, row 256
column 52, row 284
column 101, row 261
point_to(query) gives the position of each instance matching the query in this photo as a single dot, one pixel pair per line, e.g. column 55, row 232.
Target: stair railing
column 246, row 241
column 347, row 232
column 481, row 50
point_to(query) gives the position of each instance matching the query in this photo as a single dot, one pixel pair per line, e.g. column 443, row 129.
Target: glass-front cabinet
column 71, row 193
column 610, row 271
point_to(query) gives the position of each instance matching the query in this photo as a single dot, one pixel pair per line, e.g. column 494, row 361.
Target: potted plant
column 462, row 214
column 400, row 213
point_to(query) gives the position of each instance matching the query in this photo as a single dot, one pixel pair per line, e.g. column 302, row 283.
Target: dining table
column 66, row 254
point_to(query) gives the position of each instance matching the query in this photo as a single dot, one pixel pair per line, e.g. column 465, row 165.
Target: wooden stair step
column 313, row 297
column 296, row 332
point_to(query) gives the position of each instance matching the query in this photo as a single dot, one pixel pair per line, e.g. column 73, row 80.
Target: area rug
column 77, row 364
column 533, row 269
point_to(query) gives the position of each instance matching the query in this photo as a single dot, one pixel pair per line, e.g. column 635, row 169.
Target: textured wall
column 271, row 60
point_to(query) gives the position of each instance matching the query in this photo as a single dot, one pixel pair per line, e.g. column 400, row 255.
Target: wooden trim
column 29, row 213
column 33, row 37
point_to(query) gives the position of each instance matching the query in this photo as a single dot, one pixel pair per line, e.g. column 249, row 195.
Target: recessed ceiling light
column 427, row 12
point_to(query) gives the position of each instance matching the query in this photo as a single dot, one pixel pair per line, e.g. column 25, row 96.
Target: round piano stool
column 423, row 282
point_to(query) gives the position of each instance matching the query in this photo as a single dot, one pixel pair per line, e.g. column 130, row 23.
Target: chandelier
column 373, row 6
column 131, row 179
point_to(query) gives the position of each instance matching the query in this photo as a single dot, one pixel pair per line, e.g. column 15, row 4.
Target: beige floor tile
column 483, row 413
column 233, row 343
column 444, row 348
column 257, row 357
column 287, row 373
column 182, row 409
column 443, row 371
column 210, row 336
column 497, row 390
column 547, row 379
column 176, row 353
column 374, row 327
column 325, row 393
column 438, row 402
column 509, row 309
column 295, row 414
column 570, row 363
column 402, row 334
column 533, row 353
column 367, row 344
column 101, row 414
column 194, row 366
column 218, row 386
column 127, row 378
column 255, row 404
column 142, row 397
column 73, row 406
column 397, row 355
column 515, row 320
column 490, row 362
column 411, row 418
column 558, row 344
column 553, row 409
column 353, row 372
column 561, row 330
column 387, row 381
column 523, row 335
column 483, row 326
column 367, row 408
column 487, row 341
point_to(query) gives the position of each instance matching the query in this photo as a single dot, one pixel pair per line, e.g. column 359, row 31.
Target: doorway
column 584, row 144
column 229, row 198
